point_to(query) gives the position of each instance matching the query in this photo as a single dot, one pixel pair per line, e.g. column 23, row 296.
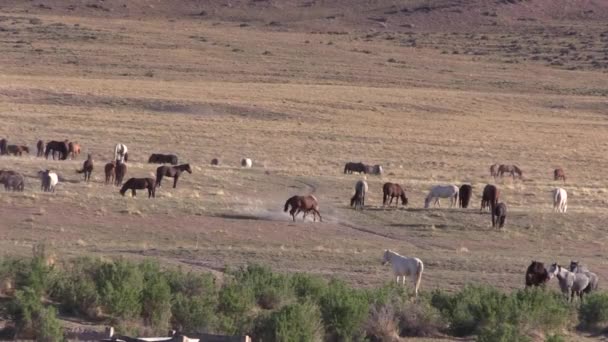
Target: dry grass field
column 301, row 100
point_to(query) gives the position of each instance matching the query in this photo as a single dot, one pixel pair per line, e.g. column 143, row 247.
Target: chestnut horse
column 489, row 198
column 559, row 174
column 139, row 184
column 110, row 171
column 171, row 171
column 393, row 190
column 17, row 150
column 73, row 149
column 303, row 204
column 40, row 148
column 87, row 168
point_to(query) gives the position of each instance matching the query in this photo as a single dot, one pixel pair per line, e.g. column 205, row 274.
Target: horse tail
column 419, row 270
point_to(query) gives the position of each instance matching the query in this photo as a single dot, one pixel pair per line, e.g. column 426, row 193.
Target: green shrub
column 502, row 332
column 536, row 308
column 235, row 302
column 343, row 310
column 269, row 289
column 48, row 327
column 120, row 285
column 594, row 310
column 555, row 338
column 307, row 287
column 75, row 288
column 33, row 320
column 298, row 322
column 191, row 284
column 192, row 314
column 156, row 297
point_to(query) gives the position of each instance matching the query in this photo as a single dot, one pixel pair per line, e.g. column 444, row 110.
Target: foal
column 87, row 168
column 110, row 171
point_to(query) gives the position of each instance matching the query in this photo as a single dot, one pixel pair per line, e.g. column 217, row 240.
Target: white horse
column 442, row 191
column 570, row 283
column 560, row 200
column 405, row 266
column 120, row 151
column 246, row 163
column 49, row 180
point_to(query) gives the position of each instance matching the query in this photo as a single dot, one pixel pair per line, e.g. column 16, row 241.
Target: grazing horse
column 393, row 190
column 512, row 169
column 377, row 170
column 489, row 198
column 356, row 167
column 110, row 171
column 559, row 174
column 246, row 163
column 12, row 181
column 442, row 191
column 139, row 184
column 358, row 200
column 171, row 171
column 494, row 170
column 17, row 150
column 3, row 144
column 577, row 267
column 569, row 282
column 73, row 149
column 48, row 180
column 499, row 215
column 464, row 195
column 303, row 204
column 405, row 266
column 120, row 153
column 157, row 158
column 60, row 147
column 120, row 173
column 40, row 148
column 560, row 200
column 536, row 274
column 87, row 168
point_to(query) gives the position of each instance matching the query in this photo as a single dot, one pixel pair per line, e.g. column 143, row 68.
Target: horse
column 560, row 200
column 405, row 266
column 139, row 184
column 121, row 172
column 17, row 150
column 559, row 174
column 73, row 149
column 512, row 169
column 48, row 180
column 494, row 170
column 377, row 170
column 358, row 200
column 60, row 147
column 569, row 282
column 110, row 171
column 120, row 153
column 577, row 267
column 246, row 163
column 536, row 274
column 215, row 162
column 157, row 158
column 87, row 168
column 12, row 181
column 356, row 167
column 489, row 197
column 393, row 190
column 464, row 195
column 3, row 144
column 171, row 171
column 40, row 148
column 442, row 191
column 499, row 215
column 303, row 204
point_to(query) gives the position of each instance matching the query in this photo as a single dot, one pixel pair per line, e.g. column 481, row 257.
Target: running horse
column 303, row 204
column 171, row 171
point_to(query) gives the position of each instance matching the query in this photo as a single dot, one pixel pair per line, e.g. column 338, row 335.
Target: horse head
column 573, row 265
column 386, row 257
column 427, row 200
column 553, row 270
column 404, row 200
column 188, row 168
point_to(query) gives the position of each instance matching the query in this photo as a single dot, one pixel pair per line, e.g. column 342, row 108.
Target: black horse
column 357, row 167
column 60, row 147
column 139, row 184
column 171, row 171
column 157, row 158
column 464, row 195
column 3, row 145
column 499, row 215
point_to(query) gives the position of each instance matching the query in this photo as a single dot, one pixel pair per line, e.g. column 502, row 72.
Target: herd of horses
column 576, row 280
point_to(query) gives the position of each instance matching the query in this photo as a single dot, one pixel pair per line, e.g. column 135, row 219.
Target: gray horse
column 570, row 283
column 577, row 267
column 358, row 200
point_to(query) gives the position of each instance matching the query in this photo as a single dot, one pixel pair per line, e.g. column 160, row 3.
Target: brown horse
column 494, row 170
column 536, row 274
column 499, row 215
column 110, row 171
column 512, row 169
column 357, row 167
column 17, row 150
column 121, row 172
column 87, row 168
column 73, row 149
column 171, row 171
column 559, row 174
column 464, row 195
column 489, row 198
column 60, row 147
column 393, row 190
column 40, row 148
column 303, row 204
column 139, row 184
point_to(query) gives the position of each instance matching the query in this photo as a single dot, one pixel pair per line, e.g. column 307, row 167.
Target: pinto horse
column 512, row 169
column 559, row 174
column 60, row 147
column 40, row 148
column 87, row 168
column 171, row 171
column 393, row 190
column 120, row 173
column 536, row 274
column 442, row 191
column 358, row 200
column 139, row 184
column 303, row 204
column 464, row 195
column 489, row 197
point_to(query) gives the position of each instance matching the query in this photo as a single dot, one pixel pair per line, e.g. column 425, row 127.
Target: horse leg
column 159, row 180
column 318, row 213
column 175, row 181
column 133, row 193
